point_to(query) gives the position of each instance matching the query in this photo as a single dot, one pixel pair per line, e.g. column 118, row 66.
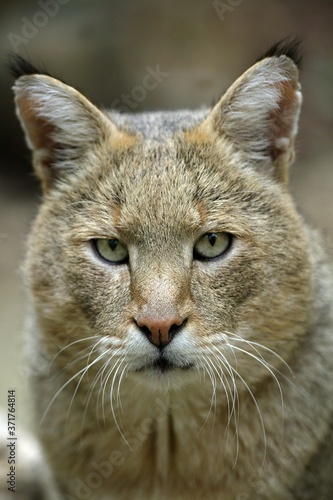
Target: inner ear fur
column 259, row 114
column 60, row 125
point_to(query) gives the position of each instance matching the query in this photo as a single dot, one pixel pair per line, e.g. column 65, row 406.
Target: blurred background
column 106, row 48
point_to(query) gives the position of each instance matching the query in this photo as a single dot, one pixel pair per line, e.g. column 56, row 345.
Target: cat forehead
column 176, row 181
column 154, row 185
column 165, row 187
column 169, row 172
column 158, row 125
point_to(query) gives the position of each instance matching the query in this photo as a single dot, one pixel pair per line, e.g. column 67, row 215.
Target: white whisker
column 265, row 365
column 104, row 381
column 210, row 373
column 89, row 365
column 72, row 344
column 234, row 411
column 261, row 346
column 225, row 366
column 84, row 369
column 258, row 411
column 98, row 376
column 119, row 404
column 220, row 376
column 119, row 363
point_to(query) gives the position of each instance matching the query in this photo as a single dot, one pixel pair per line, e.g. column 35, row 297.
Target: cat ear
column 60, row 124
column 259, row 114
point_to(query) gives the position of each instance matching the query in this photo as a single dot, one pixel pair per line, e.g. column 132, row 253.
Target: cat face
column 116, row 255
column 170, row 254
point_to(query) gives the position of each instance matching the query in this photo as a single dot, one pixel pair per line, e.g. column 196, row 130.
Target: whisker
column 62, row 388
column 119, row 363
column 225, row 365
column 93, row 337
column 104, row 381
column 235, row 400
column 119, row 404
column 208, row 370
column 261, row 346
column 255, row 346
column 98, row 375
column 76, row 360
column 258, row 411
column 282, row 375
column 80, row 373
column 220, row 376
column 89, row 365
column 264, row 364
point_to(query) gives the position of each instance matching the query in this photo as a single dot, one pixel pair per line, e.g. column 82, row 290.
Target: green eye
column 111, row 250
column 212, row 245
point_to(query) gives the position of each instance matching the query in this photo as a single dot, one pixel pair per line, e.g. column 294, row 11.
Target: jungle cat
column 180, row 308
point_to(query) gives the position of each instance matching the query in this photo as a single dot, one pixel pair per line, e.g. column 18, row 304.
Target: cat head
column 169, row 240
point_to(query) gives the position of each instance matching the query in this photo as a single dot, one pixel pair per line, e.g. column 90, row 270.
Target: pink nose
column 160, row 331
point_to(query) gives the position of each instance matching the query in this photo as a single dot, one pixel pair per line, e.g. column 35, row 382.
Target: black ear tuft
column 290, row 47
column 18, row 66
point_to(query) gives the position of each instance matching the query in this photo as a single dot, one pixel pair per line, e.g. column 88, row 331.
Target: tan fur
column 247, row 409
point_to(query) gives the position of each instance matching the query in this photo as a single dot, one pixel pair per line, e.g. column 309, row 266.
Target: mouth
column 163, row 365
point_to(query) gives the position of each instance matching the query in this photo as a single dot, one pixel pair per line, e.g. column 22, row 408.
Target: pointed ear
column 259, row 114
column 60, row 125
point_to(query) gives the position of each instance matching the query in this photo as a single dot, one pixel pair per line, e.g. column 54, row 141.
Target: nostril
column 160, row 331
column 145, row 330
column 175, row 328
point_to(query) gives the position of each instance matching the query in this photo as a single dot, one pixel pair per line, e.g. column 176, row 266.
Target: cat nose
column 160, row 331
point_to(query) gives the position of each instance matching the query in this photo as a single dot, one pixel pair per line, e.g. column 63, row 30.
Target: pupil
column 212, row 238
column 113, row 244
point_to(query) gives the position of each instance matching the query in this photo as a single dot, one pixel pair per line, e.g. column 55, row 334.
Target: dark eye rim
column 100, row 256
column 197, row 256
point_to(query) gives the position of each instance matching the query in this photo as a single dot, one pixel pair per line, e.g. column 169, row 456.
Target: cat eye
column 212, row 245
column 111, row 250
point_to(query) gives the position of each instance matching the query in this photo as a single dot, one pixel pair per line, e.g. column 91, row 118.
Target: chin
column 165, row 375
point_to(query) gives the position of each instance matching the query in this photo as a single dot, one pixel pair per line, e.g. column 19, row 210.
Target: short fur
column 239, row 404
